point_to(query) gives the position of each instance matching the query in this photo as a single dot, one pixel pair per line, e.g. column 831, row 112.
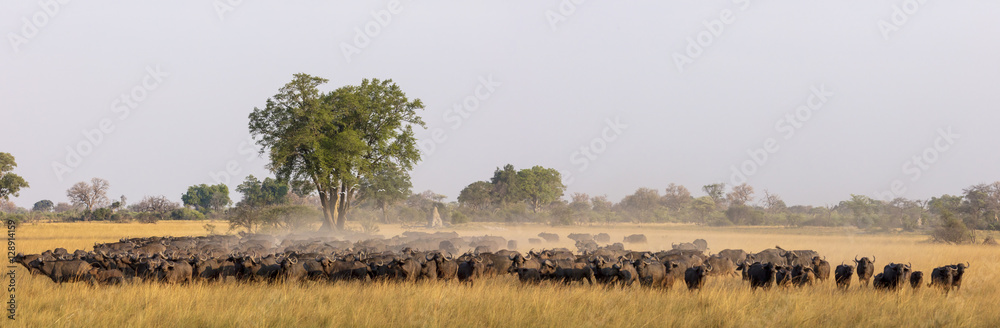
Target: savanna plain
column 503, row 301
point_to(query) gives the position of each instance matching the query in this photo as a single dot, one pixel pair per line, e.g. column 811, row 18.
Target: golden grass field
column 724, row 302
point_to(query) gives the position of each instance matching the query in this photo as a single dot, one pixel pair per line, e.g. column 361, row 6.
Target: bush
column 952, row 230
column 144, row 217
column 186, row 214
column 457, row 217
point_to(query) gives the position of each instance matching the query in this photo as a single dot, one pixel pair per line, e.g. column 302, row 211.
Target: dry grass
column 725, row 302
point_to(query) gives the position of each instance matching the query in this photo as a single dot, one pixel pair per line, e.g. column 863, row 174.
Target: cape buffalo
column 695, row 277
column 720, row 266
column 65, row 270
column 943, row 277
column 106, row 276
column 549, row 237
column 635, row 239
column 652, row 273
column 734, row 255
column 771, row 255
column 959, row 272
column 805, row 277
column 894, row 275
column 866, row 268
column 174, row 272
column 916, row 279
column 783, row 275
column 798, row 257
column 843, row 275
column 470, row 270
column 762, row 275
column 821, row 267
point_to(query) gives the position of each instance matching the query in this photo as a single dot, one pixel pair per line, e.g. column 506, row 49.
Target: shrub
column 186, row 214
column 457, row 217
column 952, row 230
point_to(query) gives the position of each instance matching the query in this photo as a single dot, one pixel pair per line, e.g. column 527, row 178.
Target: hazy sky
column 810, row 100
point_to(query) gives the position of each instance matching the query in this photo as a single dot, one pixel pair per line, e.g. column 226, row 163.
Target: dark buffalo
column 865, row 270
column 734, row 255
column 783, row 275
column 635, row 239
column 720, row 266
column 843, row 275
column 771, row 255
column 821, row 267
column 916, row 279
column 567, row 271
column 893, row 276
column 959, row 272
column 762, row 275
column 61, row 271
column 744, row 268
column 805, row 277
column 407, row 269
column 470, row 270
column 652, row 273
column 344, row 269
column 695, row 277
column 798, row 257
column 447, row 268
column 879, row 282
column 943, row 277
column 602, row 238
column 175, row 272
column 549, row 237
column 102, row 276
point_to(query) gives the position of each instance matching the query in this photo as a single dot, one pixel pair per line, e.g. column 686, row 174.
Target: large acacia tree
column 334, row 141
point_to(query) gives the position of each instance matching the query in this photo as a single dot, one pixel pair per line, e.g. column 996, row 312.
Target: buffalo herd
column 425, row 257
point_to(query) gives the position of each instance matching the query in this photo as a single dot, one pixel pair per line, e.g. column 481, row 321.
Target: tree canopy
column 94, row 194
column 332, row 141
column 10, row 183
column 207, row 198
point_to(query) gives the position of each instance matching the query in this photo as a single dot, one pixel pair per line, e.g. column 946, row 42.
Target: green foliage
column 10, row 183
column 333, row 141
column 44, row 205
column 186, row 214
column 457, row 217
column 257, row 193
column 476, row 195
column 207, row 198
column 387, row 187
column 100, row 214
column 539, row 186
column 504, row 183
column 717, row 191
column 274, row 218
column 952, row 230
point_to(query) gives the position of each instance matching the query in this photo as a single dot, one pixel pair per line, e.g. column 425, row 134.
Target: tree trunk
column 328, row 224
column 344, row 205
